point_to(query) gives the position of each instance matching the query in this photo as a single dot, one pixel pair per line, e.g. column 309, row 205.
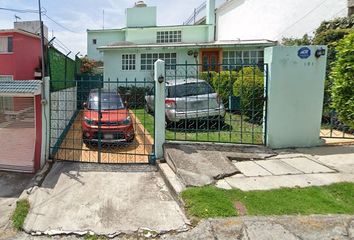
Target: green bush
column 249, row 86
column 342, row 76
column 221, row 82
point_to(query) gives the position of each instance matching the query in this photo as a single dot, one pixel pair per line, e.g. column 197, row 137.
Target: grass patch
column 209, row 201
column 235, row 130
column 20, row 213
column 94, row 237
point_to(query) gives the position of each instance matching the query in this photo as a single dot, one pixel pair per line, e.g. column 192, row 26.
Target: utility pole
column 42, row 38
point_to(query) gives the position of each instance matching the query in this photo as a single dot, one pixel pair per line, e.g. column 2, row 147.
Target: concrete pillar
column 210, row 19
column 160, row 130
column 295, row 96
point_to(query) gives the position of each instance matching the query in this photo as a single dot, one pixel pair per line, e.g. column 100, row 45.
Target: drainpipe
column 210, row 19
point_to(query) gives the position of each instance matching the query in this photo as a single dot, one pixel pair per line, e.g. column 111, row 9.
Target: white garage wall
column 275, row 19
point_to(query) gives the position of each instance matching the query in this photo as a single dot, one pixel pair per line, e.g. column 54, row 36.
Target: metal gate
column 101, row 121
column 223, row 103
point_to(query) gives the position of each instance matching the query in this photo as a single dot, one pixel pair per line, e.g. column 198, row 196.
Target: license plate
column 108, row 136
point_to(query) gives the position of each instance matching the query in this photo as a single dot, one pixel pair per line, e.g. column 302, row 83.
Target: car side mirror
column 84, row 105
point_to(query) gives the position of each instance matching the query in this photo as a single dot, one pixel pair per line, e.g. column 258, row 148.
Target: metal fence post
column 160, row 130
column 46, row 106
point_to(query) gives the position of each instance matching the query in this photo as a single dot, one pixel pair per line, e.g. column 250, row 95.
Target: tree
column 305, row 40
column 87, row 65
column 342, row 75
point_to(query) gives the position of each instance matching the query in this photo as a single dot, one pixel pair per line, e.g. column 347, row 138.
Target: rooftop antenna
column 17, row 18
column 103, row 19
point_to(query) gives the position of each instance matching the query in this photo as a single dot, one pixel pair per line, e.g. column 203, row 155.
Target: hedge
column 342, row 76
column 249, row 86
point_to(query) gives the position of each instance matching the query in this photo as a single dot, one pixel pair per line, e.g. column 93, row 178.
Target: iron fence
column 216, row 103
column 331, row 126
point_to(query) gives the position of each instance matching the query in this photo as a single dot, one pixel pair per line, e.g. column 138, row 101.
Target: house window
column 128, row 62
column 148, row 60
column 6, row 44
column 169, row 36
column 242, row 57
column 6, row 78
column 94, row 41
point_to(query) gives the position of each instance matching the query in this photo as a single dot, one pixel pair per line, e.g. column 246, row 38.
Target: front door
column 210, row 60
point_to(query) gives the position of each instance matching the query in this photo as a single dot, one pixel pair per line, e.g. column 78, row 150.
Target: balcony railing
column 194, row 17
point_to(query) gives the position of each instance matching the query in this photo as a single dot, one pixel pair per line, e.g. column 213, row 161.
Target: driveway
column 104, row 199
column 11, row 186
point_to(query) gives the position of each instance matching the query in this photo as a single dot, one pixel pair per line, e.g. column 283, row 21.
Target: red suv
column 116, row 124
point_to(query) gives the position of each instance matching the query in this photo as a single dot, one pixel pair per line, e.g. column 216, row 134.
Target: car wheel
column 131, row 139
column 147, row 109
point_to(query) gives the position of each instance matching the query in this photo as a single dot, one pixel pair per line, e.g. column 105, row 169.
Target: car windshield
column 109, row 101
column 189, row 89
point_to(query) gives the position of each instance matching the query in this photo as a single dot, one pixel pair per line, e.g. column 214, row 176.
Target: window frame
column 10, row 77
column 170, row 36
column 128, row 62
column 242, row 57
column 147, row 60
column 9, row 44
column 94, row 41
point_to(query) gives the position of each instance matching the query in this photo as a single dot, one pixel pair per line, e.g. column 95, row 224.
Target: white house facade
column 130, row 52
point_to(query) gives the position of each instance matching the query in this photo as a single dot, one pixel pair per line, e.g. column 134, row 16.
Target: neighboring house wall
column 24, row 58
column 273, row 20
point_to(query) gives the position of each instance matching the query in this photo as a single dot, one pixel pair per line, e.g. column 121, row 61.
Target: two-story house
column 130, row 52
column 20, row 97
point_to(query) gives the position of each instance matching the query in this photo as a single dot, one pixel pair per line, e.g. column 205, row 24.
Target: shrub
column 249, row 86
column 342, row 76
column 221, row 82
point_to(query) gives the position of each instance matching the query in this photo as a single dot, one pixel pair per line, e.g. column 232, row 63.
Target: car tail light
column 170, row 103
column 218, row 99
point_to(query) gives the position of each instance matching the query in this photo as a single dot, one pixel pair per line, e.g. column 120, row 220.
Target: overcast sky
column 79, row 15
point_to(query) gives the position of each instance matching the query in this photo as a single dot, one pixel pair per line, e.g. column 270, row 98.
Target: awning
column 21, row 88
column 217, row 44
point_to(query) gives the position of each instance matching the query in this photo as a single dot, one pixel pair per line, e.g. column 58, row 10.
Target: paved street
column 11, row 187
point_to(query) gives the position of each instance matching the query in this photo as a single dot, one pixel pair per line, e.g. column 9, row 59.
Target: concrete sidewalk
column 107, row 200
column 294, row 168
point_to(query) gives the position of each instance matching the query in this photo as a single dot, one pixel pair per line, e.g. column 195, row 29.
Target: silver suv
column 189, row 99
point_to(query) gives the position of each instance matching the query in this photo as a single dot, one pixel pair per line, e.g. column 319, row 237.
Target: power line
column 19, row 10
column 308, row 13
column 60, row 25
column 22, row 10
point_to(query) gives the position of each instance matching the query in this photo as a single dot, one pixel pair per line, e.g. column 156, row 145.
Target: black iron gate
column 101, row 121
column 223, row 103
